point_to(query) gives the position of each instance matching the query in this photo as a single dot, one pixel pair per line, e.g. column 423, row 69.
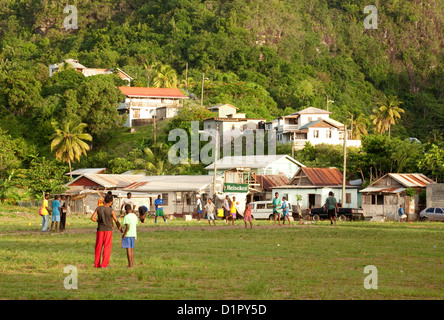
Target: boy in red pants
column 104, row 216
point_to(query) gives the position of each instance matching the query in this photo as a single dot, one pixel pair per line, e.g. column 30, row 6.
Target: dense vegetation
column 267, row 57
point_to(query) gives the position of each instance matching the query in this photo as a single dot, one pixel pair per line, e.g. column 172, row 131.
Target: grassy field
column 188, row 260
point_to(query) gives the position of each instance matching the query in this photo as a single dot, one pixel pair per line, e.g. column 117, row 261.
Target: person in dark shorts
column 332, row 206
column 226, row 206
column 63, row 210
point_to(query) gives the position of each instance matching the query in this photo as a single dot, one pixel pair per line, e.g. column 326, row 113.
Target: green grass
column 188, row 260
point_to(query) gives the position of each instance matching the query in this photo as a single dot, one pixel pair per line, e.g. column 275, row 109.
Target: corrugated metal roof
column 272, row 180
column 322, row 176
column 86, row 171
column 412, row 180
column 172, row 183
column 110, row 180
column 382, row 190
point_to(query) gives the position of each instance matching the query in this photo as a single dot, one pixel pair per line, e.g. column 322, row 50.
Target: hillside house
column 314, row 184
column 87, row 72
column 382, row 198
column 142, row 104
column 310, row 125
column 229, row 121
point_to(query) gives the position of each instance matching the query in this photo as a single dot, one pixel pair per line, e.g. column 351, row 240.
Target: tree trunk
column 70, row 170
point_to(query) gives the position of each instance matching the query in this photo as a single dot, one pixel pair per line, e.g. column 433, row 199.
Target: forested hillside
column 267, row 57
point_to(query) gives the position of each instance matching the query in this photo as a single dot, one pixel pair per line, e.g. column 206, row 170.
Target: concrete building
column 310, row 125
column 142, row 104
column 258, row 164
column 314, row 185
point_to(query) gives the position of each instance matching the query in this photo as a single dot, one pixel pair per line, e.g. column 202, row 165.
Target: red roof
column 152, row 92
column 323, row 176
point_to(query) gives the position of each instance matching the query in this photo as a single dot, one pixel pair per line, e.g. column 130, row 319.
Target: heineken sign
column 236, row 187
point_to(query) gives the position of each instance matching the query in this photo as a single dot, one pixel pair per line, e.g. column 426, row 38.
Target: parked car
column 264, row 210
column 343, row 214
column 432, row 214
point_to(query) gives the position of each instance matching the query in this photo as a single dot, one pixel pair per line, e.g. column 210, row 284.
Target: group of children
column 58, row 213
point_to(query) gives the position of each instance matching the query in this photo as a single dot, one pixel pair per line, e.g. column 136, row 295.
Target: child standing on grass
column 45, row 214
column 233, row 210
column 285, row 210
column 130, row 234
column 247, row 215
column 55, row 213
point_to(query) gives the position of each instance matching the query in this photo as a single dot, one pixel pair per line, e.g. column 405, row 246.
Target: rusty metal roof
column 269, row 181
column 411, row 180
column 322, row 176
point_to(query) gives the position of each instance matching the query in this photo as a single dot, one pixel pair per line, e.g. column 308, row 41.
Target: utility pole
column 345, row 166
column 155, row 131
column 216, row 150
column 328, row 102
column 201, row 94
column 351, row 128
column 186, row 77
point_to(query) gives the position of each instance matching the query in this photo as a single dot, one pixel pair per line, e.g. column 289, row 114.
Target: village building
column 435, row 195
column 313, row 186
column 382, row 198
column 87, row 72
column 142, row 104
column 261, row 185
column 310, row 125
column 178, row 192
column 230, row 122
column 258, row 164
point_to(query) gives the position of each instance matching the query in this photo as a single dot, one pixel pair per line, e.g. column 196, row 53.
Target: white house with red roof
column 142, row 104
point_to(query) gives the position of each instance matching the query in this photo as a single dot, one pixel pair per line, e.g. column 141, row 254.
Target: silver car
column 432, row 214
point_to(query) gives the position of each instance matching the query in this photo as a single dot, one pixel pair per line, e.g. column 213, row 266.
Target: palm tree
column 359, row 126
column 69, row 144
column 387, row 114
column 156, row 162
column 165, row 76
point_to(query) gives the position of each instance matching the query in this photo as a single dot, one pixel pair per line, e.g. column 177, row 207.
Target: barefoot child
column 247, row 215
column 130, row 234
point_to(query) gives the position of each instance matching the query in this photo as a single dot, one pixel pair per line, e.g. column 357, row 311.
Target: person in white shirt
column 198, row 207
column 128, row 200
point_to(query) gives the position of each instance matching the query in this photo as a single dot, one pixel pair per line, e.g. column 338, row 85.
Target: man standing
column 210, row 209
column 198, row 207
column 63, row 209
column 226, row 205
column 158, row 203
column 126, row 201
column 277, row 208
column 104, row 216
column 332, row 206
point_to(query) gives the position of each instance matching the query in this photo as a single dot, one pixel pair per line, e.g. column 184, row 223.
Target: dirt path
column 204, row 227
